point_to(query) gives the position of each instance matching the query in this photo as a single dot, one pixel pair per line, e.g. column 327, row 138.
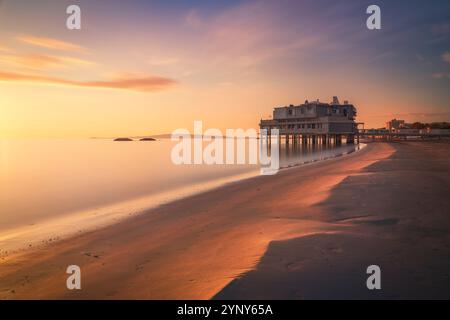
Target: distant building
column 314, row 118
column 399, row 129
column 395, row 124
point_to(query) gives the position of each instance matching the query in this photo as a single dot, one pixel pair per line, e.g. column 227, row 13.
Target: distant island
column 130, row 139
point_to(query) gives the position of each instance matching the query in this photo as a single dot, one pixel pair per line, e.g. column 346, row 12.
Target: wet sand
column 307, row 232
column 394, row 214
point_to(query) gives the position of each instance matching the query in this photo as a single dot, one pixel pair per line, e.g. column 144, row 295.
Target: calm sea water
column 93, row 179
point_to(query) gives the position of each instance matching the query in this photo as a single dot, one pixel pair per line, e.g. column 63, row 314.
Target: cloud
column 440, row 29
column 440, row 32
column 43, row 61
column 252, row 34
column 5, row 49
column 411, row 115
column 446, row 56
column 441, row 75
column 163, row 61
column 51, row 43
column 193, row 19
column 141, row 83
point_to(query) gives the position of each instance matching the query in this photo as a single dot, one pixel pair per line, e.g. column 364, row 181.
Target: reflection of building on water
column 315, row 122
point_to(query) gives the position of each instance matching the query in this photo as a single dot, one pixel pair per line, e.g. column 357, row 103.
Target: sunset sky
column 149, row 67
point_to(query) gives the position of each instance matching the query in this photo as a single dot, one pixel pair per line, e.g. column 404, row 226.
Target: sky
column 149, row 67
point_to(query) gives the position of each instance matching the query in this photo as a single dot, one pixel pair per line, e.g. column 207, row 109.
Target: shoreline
column 48, row 231
column 44, row 232
column 223, row 217
column 308, row 232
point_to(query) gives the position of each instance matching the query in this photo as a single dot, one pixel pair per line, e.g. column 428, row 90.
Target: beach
column 307, row 232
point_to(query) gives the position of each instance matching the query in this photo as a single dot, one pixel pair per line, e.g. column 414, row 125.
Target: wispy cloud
column 163, row 61
column 446, row 56
column 140, row 83
column 251, row 34
column 5, row 49
column 43, row 61
column 440, row 32
column 193, row 19
column 413, row 115
column 51, row 43
column 441, row 75
column 440, row 29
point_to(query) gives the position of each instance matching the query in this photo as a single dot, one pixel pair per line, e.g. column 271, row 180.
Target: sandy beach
column 307, row 232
